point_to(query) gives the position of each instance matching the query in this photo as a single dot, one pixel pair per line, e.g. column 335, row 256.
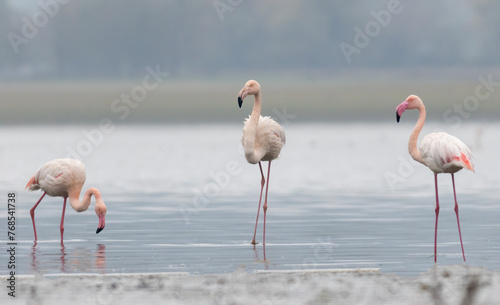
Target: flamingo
column 440, row 152
column 262, row 140
column 65, row 178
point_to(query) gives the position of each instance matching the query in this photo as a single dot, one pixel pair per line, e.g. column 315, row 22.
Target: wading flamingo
column 65, row 178
column 262, row 140
column 439, row 151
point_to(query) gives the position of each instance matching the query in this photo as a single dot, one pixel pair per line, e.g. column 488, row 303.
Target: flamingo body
column 444, row 153
column 269, row 139
column 58, row 176
column 65, row 178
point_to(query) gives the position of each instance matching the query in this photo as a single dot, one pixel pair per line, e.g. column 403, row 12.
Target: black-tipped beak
column 240, row 101
column 101, row 225
column 397, row 117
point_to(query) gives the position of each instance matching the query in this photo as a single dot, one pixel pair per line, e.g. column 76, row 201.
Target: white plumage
column 444, row 153
column 262, row 139
column 58, row 177
column 269, row 139
column 65, row 178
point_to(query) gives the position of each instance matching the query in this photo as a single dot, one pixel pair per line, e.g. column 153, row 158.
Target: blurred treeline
column 117, row 39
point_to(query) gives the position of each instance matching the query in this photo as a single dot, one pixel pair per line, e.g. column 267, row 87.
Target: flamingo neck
column 257, row 105
column 412, row 143
column 84, row 204
column 253, row 122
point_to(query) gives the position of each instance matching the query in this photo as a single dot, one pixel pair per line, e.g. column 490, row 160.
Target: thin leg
column 62, row 219
column 456, row 212
column 437, row 214
column 265, row 203
column 260, row 198
column 264, row 250
column 32, row 213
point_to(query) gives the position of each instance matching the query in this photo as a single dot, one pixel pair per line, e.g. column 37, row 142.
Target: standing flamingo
column 65, row 178
column 439, row 151
column 262, row 140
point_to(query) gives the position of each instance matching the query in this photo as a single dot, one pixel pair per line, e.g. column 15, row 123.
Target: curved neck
column 253, row 122
column 412, row 143
column 257, row 105
column 84, row 204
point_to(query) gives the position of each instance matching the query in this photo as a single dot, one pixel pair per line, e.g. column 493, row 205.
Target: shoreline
column 453, row 284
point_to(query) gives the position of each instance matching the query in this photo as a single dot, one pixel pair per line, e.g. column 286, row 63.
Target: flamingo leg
column 265, row 203
column 61, row 227
column 260, row 199
column 456, row 212
column 437, row 214
column 32, row 213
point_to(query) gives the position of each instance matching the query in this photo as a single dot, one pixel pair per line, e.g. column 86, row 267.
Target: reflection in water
column 68, row 259
column 63, row 257
column 100, row 258
column 34, row 262
column 258, row 260
column 256, row 253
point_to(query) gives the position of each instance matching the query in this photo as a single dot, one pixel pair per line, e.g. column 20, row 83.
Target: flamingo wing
column 269, row 138
column 269, row 129
column 56, row 177
column 444, row 153
column 32, row 184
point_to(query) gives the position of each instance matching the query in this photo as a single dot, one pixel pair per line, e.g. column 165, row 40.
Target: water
column 182, row 198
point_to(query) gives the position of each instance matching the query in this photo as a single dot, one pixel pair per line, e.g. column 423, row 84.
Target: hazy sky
column 23, row 4
column 199, row 39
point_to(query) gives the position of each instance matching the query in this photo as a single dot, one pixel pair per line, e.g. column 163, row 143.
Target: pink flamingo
column 262, row 140
column 65, row 178
column 439, row 151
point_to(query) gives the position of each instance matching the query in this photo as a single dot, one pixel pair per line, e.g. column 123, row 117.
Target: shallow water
column 183, row 199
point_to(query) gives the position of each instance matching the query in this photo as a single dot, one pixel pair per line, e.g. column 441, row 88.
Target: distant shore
column 455, row 284
column 215, row 101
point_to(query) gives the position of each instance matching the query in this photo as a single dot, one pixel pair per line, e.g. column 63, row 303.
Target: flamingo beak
column 242, row 95
column 100, row 227
column 400, row 109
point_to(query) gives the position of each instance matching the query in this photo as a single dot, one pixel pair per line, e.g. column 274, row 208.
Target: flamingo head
column 252, row 87
column 100, row 210
column 411, row 102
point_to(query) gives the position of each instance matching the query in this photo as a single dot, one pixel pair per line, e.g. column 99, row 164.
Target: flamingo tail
column 466, row 161
column 31, row 183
